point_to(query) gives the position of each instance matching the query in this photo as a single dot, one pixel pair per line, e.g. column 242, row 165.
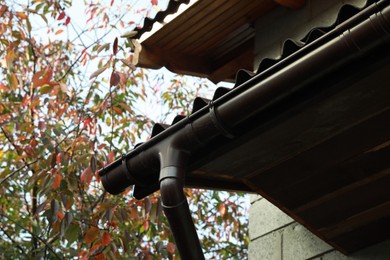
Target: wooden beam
column 294, row 4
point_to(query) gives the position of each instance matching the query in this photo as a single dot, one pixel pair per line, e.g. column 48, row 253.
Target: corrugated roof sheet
column 289, row 48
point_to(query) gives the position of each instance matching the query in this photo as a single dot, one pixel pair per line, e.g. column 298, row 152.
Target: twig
column 32, row 234
column 13, row 241
column 18, row 170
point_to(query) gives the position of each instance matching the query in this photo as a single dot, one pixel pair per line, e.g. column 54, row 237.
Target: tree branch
column 14, row 242
column 32, row 234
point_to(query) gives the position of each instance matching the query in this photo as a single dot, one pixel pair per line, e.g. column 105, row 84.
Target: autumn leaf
column 111, row 156
column 46, row 89
column 91, row 235
column 222, row 209
column 117, row 110
column 21, row 15
column 57, row 181
column 115, row 46
column 3, row 9
column 171, row 248
column 98, row 72
column 67, row 21
column 86, row 176
column 59, row 31
column 61, row 16
column 106, row 239
column 42, row 77
column 114, row 79
column 103, row 47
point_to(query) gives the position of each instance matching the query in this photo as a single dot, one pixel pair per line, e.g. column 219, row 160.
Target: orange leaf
column 42, row 77
column 60, row 215
column 106, row 239
column 222, row 209
column 21, row 15
column 91, row 235
column 118, row 110
column 101, row 146
column 59, row 31
column 57, row 181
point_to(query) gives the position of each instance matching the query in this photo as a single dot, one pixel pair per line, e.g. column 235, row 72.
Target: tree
column 60, row 122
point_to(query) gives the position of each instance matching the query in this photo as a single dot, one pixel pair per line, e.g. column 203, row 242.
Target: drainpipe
column 175, row 205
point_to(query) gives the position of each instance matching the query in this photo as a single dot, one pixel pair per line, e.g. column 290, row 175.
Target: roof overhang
column 309, row 133
column 211, row 38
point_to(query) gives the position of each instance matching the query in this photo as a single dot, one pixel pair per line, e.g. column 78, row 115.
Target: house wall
column 273, row 234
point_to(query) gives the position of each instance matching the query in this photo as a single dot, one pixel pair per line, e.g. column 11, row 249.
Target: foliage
column 60, row 122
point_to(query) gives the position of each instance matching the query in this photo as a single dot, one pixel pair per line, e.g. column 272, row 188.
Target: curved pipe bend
column 177, row 211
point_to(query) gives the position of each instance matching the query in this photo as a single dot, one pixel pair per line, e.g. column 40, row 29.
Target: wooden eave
column 213, row 39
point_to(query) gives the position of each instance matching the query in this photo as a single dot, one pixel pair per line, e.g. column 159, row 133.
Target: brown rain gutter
column 162, row 161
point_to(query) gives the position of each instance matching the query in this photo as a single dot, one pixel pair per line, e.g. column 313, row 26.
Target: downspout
column 175, row 205
column 161, row 162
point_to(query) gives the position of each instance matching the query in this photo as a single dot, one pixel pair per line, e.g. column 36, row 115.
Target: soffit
column 213, row 38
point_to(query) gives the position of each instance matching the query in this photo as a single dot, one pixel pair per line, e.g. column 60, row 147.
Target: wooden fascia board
column 155, row 58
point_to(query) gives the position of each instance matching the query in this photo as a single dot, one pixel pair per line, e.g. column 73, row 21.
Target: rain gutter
column 161, row 162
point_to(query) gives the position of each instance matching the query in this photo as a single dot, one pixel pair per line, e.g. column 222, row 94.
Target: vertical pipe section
column 177, row 211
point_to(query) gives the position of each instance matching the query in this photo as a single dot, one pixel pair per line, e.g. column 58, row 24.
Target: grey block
column 265, row 217
column 300, row 243
column 254, row 197
column 268, row 247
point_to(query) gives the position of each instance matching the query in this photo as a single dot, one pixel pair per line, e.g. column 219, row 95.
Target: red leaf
column 60, row 215
column 154, row 2
column 114, row 79
column 112, row 2
column 171, row 248
column 57, row 181
column 61, row 16
column 101, row 146
column 106, row 239
column 115, row 46
column 91, row 235
column 67, row 21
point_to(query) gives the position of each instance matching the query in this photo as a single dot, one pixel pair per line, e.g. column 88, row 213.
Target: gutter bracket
column 225, row 131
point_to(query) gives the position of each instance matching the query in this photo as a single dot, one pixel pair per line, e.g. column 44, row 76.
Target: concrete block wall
column 275, row 236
